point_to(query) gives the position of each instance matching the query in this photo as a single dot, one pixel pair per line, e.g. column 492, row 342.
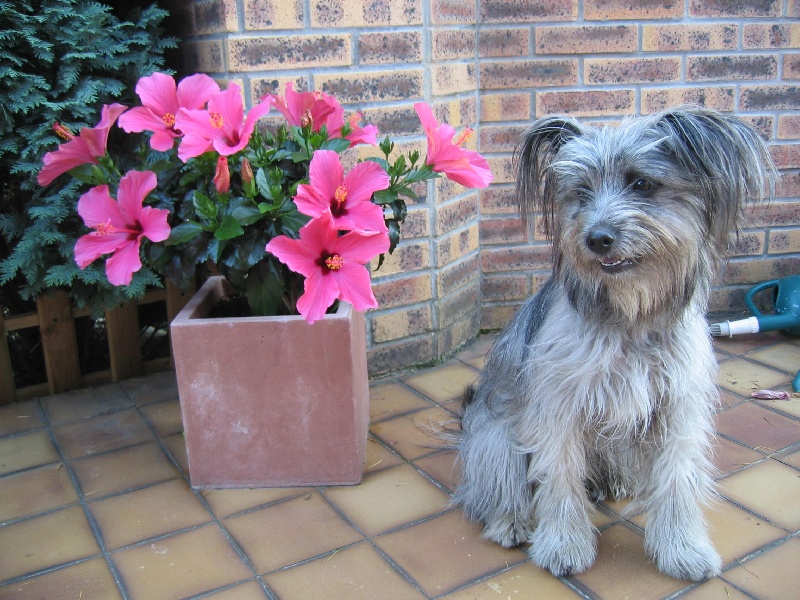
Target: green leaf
column 338, row 145
column 204, row 206
column 183, row 233
column 228, row 229
column 264, row 292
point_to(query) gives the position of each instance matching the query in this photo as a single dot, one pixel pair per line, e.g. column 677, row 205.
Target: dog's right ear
column 535, row 190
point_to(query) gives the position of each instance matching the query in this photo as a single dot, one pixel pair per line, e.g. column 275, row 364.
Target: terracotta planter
column 271, row 401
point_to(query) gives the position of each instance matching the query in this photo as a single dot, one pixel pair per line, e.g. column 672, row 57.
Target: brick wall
column 466, row 262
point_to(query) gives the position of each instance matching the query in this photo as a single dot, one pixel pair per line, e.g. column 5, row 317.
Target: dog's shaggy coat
column 604, row 383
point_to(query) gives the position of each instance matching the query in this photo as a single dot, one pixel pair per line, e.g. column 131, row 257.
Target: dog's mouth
column 615, row 264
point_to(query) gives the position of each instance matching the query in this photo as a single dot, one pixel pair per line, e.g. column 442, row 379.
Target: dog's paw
column 563, row 553
column 693, row 561
column 508, row 534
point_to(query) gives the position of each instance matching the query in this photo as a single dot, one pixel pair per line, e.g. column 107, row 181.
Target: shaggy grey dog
column 604, row 383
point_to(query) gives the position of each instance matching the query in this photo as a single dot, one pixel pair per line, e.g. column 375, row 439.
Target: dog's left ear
column 729, row 159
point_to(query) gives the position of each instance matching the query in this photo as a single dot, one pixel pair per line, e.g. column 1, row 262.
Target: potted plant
column 279, row 214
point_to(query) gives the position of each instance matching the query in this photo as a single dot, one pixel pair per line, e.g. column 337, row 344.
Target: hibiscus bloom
column 317, row 109
column 223, row 127
column 333, row 265
column 345, row 197
column 86, row 148
column 446, row 156
column 120, row 225
column 161, row 101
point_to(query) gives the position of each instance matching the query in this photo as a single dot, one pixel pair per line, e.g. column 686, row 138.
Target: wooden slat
column 177, row 299
column 22, row 321
column 7, row 393
column 124, row 349
column 59, row 341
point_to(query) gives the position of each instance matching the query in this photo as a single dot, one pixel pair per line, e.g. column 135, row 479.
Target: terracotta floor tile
column 773, row 574
column 714, row 588
column 770, row 489
column 85, row 403
column 785, row 357
column 355, row 573
column 389, row 398
column 442, row 467
column 35, row 491
column 744, row 377
column 444, row 384
column 20, row 416
column 446, row 552
column 249, row 590
column 790, row 407
column 103, row 433
column 181, row 565
column 147, row 513
column 475, row 353
column 176, row 445
column 227, row 502
column 165, row 417
column 622, row 569
column 746, row 343
column 415, row 435
column 88, row 579
column 122, row 470
column 153, row 388
column 730, row 457
column 790, row 456
column 524, row 582
column 46, row 541
column 736, row 533
column 758, row 427
column 379, row 457
column 26, row 450
column 290, row 532
column 389, row 499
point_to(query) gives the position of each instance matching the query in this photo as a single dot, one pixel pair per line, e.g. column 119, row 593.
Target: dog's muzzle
column 601, row 240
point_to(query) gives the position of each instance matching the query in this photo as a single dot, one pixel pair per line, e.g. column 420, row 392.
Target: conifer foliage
column 60, row 61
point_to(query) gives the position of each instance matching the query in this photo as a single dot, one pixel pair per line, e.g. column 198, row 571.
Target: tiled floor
column 94, row 503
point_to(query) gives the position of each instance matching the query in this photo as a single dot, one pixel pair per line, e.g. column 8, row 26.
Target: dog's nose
column 600, row 239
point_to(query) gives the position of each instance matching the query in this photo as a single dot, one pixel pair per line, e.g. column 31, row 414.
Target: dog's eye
column 642, row 185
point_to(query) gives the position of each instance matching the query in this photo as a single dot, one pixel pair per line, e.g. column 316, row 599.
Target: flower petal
column 361, row 248
column 355, row 286
column 295, row 254
column 158, row 93
column 96, row 207
column 121, row 266
column 133, row 188
column 320, row 292
column 93, row 245
column 363, row 180
column 194, row 91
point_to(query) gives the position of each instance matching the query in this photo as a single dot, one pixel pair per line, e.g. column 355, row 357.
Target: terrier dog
column 604, row 383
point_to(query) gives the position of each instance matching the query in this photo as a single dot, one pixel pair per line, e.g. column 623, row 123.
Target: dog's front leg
column 564, row 539
column 676, row 537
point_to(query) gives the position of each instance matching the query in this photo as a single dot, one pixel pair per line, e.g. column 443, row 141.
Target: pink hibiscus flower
column 319, row 109
column 446, row 156
column 120, row 225
column 86, row 148
column 345, row 197
column 161, row 101
column 333, row 265
column 223, row 127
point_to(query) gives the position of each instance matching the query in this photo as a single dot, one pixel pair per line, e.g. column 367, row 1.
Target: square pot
column 271, row 401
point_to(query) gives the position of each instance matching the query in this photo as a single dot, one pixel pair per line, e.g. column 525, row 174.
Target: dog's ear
column 729, row 159
column 540, row 144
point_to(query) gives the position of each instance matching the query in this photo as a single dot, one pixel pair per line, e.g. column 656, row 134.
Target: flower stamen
column 463, row 137
column 216, row 120
column 63, row 131
column 340, row 195
column 334, row 262
column 169, row 119
column 105, row 228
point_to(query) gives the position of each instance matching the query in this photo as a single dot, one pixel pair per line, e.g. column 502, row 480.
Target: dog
column 604, row 383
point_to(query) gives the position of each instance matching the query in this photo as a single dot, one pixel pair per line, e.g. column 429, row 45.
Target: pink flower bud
column 222, row 177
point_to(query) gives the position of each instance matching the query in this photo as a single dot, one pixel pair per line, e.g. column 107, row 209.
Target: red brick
column 457, row 214
column 204, row 56
column 528, row 74
column 369, row 13
column 397, row 324
column 494, row 317
column 590, row 103
column 407, row 257
column 502, row 169
column 458, row 274
column 788, row 186
column 774, row 214
column 456, row 245
column 771, row 35
column 690, row 37
column 503, row 288
column 372, row 86
column 460, row 306
column 523, row 258
column 786, row 156
column 451, row 44
column 718, row 98
column 498, row 201
column 524, row 11
column 756, row 270
column 586, row 40
column 402, row 353
column 394, row 120
column 784, row 241
column 452, row 11
column 632, row 70
column 505, row 107
column 279, row 52
column 275, row 85
column 501, row 138
column 502, row 231
column 390, row 47
column 403, row 291
column 791, row 66
column 789, row 127
column 215, row 16
column 494, row 43
column 453, row 78
column 463, row 328
column 769, row 97
column 273, row 14
column 750, row 243
column 731, row 67
column 739, row 8
column 602, row 10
